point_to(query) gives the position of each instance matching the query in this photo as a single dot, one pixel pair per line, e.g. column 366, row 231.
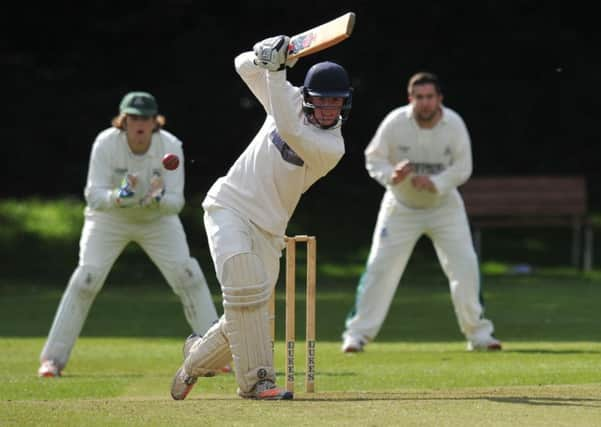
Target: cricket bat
column 321, row 37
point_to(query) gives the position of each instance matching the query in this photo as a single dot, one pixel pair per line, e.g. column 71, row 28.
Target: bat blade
column 321, row 37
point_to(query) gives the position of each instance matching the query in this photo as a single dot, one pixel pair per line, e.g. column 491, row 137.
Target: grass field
column 416, row 373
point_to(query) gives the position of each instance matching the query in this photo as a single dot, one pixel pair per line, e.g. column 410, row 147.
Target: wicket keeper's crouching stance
column 247, row 212
column 130, row 197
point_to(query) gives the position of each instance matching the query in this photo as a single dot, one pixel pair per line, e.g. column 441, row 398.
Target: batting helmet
column 327, row 79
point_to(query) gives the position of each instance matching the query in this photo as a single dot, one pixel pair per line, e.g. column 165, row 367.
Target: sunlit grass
column 416, row 372
column 39, row 226
column 337, row 271
column 60, row 219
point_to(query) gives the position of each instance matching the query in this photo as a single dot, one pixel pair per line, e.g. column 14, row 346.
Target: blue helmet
column 327, row 79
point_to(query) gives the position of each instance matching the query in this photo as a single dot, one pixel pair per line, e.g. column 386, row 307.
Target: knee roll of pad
column 245, row 297
column 244, row 282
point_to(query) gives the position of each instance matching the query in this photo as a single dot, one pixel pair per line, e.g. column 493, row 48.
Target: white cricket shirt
column 111, row 159
column 442, row 152
column 283, row 160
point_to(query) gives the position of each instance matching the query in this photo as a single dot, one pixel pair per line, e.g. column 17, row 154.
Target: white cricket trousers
column 247, row 262
column 229, row 234
column 397, row 230
column 102, row 241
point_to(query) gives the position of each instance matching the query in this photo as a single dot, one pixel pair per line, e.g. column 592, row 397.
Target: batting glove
column 272, row 53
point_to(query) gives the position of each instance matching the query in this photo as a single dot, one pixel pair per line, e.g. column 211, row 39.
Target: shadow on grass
column 301, row 374
column 533, row 400
column 547, row 351
column 548, row 401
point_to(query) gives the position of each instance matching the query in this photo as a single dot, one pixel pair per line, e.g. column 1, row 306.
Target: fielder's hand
column 272, row 53
column 154, row 195
column 400, row 172
column 125, row 196
column 423, row 183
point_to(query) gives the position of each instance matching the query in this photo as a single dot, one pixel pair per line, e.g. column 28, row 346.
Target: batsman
column 130, row 198
column 246, row 212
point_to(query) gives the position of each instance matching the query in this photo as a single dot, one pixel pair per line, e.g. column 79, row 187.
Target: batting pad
column 245, row 295
column 209, row 354
column 244, row 281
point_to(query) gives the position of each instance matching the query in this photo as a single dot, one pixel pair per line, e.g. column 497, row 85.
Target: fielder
column 420, row 153
column 247, row 212
column 130, row 198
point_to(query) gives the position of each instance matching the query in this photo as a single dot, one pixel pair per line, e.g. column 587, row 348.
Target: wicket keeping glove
column 125, row 195
column 272, row 53
column 156, row 192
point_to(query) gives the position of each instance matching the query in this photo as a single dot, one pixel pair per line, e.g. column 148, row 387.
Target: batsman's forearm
column 253, row 76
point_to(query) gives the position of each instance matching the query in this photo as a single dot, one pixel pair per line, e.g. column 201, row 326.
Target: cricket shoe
column 266, row 390
column 193, row 338
column 489, row 344
column 352, row 344
column 182, row 384
column 49, row 369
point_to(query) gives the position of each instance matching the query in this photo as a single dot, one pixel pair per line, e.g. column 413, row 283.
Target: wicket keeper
column 130, row 198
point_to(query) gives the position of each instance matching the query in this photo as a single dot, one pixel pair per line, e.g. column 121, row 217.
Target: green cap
column 140, row 104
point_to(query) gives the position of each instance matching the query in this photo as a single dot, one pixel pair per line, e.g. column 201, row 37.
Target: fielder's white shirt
column 111, row 159
column 442, row 152
column 284, row 159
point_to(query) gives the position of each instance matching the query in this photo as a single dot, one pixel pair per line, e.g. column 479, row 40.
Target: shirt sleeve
column 461, row 169
column 98, row 191
column 377, row 160
column 254, row 77
column 173, row 200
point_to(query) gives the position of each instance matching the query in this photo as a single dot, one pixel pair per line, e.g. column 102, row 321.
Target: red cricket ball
column 170, row 161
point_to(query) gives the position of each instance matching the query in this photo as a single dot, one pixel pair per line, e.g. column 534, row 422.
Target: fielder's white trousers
column 102, row 241
column 398, row 229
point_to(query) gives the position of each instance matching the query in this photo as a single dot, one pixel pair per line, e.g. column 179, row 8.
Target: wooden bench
column 530, row 201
